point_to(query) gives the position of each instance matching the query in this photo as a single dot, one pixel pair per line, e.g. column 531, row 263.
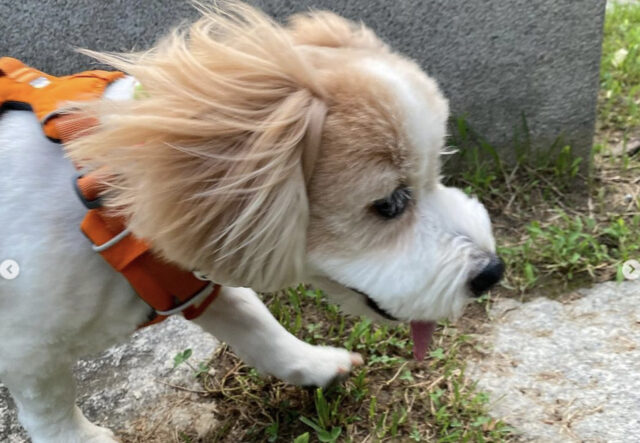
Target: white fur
column 425, row 277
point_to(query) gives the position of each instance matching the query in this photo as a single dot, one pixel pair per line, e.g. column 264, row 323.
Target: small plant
column 182, row 357
column 481, row 164
column 302, row 438
column 324, row 435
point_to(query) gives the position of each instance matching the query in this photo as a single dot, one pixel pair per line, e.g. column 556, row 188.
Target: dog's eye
column 394, row 205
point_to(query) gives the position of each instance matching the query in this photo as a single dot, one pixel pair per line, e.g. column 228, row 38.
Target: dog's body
column 67, row 301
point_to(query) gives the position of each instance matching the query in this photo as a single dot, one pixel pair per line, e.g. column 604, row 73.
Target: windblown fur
column 219, row 127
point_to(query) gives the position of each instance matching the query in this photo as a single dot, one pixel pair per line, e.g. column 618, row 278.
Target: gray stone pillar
column 495, row 59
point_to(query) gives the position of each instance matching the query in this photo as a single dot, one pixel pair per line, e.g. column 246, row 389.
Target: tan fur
column 365, row 157
column 207, row 165
column 324, row 28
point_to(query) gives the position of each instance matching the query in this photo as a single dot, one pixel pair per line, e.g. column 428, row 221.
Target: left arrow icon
column 9, row 269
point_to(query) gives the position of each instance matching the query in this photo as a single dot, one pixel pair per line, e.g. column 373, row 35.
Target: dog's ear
column 209, row 164
column 324, row 28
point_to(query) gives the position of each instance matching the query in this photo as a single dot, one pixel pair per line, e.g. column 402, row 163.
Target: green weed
column 569, row 247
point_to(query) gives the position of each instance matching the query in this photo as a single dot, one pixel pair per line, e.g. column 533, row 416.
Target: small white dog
column 212, row 168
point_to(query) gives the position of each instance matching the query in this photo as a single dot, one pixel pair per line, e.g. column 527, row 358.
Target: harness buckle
column 194, row 300
column 108, row 244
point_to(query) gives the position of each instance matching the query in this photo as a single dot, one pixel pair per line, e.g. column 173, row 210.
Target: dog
column 261, row 155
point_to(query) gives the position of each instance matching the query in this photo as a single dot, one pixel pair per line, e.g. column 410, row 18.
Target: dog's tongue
column 421, row 333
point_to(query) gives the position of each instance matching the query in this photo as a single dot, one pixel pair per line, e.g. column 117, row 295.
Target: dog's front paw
column 321, row 366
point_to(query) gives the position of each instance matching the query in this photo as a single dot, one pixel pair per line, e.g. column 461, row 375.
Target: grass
column 620, row 70
column 569, row 249
column 554, row 233
column 391, row 398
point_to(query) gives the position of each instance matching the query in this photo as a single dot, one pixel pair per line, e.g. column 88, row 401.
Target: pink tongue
column 421, row 333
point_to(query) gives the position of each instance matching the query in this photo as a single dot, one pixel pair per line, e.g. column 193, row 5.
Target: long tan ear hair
column 207, row 164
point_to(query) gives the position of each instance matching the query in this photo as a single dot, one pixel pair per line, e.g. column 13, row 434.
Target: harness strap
column 165, row 287
column 26, row 88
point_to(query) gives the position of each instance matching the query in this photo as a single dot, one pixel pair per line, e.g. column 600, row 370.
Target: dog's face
column 385, row 237
column 209, row 166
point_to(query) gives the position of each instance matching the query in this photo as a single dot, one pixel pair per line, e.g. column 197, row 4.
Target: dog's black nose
column 488, row 277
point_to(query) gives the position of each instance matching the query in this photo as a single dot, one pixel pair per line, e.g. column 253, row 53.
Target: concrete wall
column 495, row 59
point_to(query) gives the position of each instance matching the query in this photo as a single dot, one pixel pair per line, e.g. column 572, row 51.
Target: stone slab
column 566, row 372
column 494, row 59
column 127, row 388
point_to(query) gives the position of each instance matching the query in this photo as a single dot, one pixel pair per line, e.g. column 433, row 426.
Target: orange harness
column 166, row 288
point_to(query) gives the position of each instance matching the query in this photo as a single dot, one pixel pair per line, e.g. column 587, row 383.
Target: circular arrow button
column 9, row 269
column 631, row 269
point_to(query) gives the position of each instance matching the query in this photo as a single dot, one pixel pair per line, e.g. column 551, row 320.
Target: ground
column 538, row 359
column 565, row 370
column 131, row 387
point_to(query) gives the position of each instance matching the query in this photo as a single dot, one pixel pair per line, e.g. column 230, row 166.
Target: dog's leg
column 45, row 397
column 239, row 318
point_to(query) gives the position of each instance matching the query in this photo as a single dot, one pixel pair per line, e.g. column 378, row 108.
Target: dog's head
column 265, row 155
